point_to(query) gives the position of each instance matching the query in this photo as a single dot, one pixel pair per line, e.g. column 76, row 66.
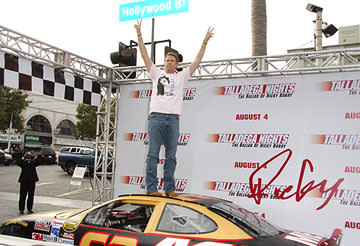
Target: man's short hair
column 174, row 55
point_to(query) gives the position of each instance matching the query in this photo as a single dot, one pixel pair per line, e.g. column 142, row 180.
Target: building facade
column 50, row 122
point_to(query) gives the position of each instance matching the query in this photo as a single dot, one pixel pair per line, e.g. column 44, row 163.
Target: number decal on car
column 102, row 238
column 94, row 237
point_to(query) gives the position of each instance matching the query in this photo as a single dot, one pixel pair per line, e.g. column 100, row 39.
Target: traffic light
column 125, row 56
column 169, row 49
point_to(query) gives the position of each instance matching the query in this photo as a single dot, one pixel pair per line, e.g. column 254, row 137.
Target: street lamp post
column 318, row 25
column 318, row 31
column 9, row 133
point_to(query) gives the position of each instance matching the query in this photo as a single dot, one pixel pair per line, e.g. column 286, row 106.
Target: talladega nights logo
column 188, row 94
column 243, row 189
column 351, row 86
column 345, row 196
column 258, row 90
column 180, row 184
column 343, row 140
column 251, row 140
column 183, row 139
column 142, row 94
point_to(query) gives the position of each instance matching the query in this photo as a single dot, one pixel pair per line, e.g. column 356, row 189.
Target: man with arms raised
column 165, row 109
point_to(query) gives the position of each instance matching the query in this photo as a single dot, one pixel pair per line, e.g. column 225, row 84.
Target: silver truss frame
column 35, row 50
column 105, row 154
column 297, row 63
column 110, row 79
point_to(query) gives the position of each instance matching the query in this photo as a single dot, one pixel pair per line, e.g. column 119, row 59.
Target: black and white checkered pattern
column 20, row 73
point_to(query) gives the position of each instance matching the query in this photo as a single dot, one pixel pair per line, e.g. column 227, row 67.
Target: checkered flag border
column 20, row 73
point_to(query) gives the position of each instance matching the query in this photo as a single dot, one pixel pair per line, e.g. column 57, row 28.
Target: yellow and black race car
column 140, row 219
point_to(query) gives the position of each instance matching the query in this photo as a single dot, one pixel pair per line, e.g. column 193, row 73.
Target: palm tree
column 258, row 27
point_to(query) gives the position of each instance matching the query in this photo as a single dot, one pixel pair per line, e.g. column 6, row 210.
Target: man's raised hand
column 138, row 26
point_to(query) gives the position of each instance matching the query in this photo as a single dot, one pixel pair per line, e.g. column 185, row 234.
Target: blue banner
column 151, row 8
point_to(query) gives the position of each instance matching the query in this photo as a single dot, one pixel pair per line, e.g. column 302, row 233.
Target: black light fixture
column 125, row 56
column 313, row 8
column 329, row 30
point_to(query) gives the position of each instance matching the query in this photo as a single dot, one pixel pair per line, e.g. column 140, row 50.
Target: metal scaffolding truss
column 297, row 63
column 111, row 78
column 32, row 49
column 35, row 50
column 105, row 153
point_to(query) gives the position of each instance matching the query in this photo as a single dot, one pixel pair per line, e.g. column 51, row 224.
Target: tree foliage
column 87, row 119
column 86, row 124
column 12, row 102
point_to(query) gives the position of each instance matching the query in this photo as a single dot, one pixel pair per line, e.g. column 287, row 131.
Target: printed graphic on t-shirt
column 165, row 86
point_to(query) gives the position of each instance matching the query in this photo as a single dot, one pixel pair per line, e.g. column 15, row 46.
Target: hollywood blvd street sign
column 151, row 8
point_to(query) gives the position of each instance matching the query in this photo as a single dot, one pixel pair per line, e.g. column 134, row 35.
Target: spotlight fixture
column 313, row 8
column 329, row 30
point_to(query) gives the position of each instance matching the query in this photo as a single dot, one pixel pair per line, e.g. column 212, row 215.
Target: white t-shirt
column 167, row 90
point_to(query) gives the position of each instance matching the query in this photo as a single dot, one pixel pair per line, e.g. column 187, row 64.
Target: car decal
column 94, row 237
column 70, row 226
column 304, row 238
column 42, row 225
column 113, row 230
column 68, row 235
column 170, row 241
column 103, row 238
column 51, row 238
column 56, row 222
column 108, row 236
column 18, row 222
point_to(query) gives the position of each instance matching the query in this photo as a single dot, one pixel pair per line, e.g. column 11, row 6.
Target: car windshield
column 48, row 151
column 246, row 220
column 64, row 149
column 35, row 150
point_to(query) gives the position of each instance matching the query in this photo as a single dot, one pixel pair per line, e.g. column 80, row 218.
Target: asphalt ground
column 53, row 191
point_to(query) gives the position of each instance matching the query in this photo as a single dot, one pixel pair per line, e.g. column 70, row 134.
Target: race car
column 141, row 219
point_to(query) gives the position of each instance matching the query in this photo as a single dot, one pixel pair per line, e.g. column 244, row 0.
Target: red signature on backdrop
column 257, row 190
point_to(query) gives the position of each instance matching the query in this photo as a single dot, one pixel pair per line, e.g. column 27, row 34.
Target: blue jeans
column 163, row 130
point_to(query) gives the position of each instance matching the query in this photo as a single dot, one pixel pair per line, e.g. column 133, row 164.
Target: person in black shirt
column 28, row 178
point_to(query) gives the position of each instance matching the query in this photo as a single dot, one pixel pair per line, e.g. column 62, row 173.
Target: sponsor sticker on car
column 68, row 235
column 18, row 222
column 42, row 225
column 50, row 238
column 70, row 226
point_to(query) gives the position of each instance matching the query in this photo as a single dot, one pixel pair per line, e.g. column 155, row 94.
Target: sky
column 91, row 28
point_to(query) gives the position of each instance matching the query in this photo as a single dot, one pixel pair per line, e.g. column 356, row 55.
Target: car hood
column 72, row 214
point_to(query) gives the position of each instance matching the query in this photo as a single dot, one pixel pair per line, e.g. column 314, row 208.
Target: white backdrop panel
column 230, row 127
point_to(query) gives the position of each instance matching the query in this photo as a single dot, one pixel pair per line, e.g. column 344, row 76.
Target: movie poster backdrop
column 298, row 136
